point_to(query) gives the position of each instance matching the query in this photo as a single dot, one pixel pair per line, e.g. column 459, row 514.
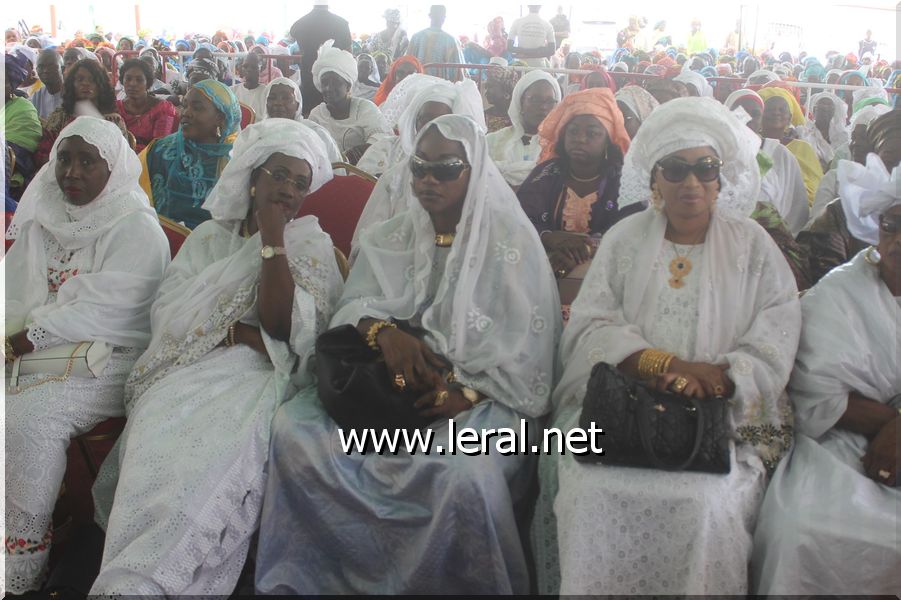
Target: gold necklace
column 680, row 267
column 580, row 180
column 444, row 240
column 245, row 229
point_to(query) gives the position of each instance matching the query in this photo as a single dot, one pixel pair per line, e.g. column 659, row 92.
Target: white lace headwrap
column 519, row 90
column 495, row 314
column 867, row 114
column 867, row 192
column 462, row 97
column 693, row 123
column 334, row 60
column 230, row 198
column 697, row 80
column 764, row 75
column 78, row 226
column 404, row 93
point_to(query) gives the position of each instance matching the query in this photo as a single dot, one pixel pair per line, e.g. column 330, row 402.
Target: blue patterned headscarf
column 183, row 172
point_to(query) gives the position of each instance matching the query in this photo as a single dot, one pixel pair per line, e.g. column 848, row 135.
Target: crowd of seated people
column 710, row 225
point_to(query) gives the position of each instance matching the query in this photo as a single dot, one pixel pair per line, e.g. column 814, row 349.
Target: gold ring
column 680, row 384
column 441, row 397
column 718, row 390
column 884, row 474
column 400, row 382
column 561, row 273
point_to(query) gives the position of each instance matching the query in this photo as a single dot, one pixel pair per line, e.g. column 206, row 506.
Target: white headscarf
column 638, row 99
column 519, row 90
column 230, row 199
column 374, row 75
column 737, row 95
column 462, row 97
column 867, row 192
column 334, row 60
column 867, row 114
column 495, row 314
column 43, row 207
column 692, row 123
column 838, row 131
column 764, row 75
column 404, row 93
column 698, row 81
column 869, row 92
column 297, row 95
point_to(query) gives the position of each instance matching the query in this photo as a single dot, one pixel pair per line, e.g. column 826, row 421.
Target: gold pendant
column 680, row 266
column 676, row 282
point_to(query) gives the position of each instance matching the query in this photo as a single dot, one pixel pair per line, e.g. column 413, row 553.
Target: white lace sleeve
column 42, row 339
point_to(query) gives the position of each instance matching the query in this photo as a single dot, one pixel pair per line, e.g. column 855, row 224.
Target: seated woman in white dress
column 466, row 265
column 355, row 123
column 696, row 279
column 515, row 149
column 233, row 326
column 391, row 194
column 831, row 519
column 283, row 100
column 85, row 265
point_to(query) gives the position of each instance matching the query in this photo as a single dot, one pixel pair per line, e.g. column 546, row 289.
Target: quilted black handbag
column 355, row 388
column 654, row 430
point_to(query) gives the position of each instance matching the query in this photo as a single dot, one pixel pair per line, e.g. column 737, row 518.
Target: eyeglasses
column 279, row 177
column 675, row 170
column 890, row 225
column 448, row 169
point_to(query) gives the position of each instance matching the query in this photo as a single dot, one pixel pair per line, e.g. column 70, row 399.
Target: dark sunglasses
column 675, row 170
column 448, row 169
column 890, row 225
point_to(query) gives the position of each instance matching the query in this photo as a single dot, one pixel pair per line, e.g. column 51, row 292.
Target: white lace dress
column 44, row 414
column 190, row 465
column 619, row 530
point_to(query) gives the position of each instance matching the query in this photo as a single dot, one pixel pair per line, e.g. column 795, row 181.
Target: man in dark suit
column 310, row 32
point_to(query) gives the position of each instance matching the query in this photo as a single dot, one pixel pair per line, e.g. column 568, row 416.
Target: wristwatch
column 268, row 252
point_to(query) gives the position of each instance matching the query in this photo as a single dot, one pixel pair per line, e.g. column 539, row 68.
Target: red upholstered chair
column 176, row 233
column 339, row 203
column 248, row 116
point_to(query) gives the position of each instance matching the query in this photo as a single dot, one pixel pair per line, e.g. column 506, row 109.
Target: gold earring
column 656, row 199
column 253, row 191
column 218, row 132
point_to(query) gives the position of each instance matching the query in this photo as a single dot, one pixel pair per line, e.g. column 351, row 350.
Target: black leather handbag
column 649, row 429
column 355, row 388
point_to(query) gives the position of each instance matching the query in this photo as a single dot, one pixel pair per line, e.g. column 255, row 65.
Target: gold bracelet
column 230, row 340
column 373, row 332
column 9, row 354
column 653, row 362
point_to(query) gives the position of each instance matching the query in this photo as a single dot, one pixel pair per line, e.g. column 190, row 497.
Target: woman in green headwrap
column 179, row 170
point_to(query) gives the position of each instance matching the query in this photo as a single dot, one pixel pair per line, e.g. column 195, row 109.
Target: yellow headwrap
column 795, row 108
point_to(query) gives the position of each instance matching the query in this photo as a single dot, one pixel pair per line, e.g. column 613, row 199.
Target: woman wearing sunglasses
column 233, row 326
column 464, row 264
column 694, row 297
column 839, row 490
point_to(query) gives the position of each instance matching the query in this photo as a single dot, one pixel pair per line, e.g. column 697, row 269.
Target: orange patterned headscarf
column 598, row 102
column 391, row 79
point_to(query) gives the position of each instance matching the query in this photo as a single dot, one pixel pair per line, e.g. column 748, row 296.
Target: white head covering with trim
column 867, row 192
column 404, row 93
column 838, row 131
column 764, row 75
column 331, row 146
column 230, row 198
column 334, row 60
column 519, row 90
column 698, row 81
column 462, row 97
column 867, row 114
column 693, row 123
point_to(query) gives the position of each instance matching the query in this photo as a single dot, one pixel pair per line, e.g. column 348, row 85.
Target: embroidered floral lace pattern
column 577, row 211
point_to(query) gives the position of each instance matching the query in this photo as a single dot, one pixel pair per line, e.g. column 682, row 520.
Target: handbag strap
column 14, row 388
column 644, row 434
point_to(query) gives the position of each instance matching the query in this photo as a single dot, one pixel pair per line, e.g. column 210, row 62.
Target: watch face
column 267, row 252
